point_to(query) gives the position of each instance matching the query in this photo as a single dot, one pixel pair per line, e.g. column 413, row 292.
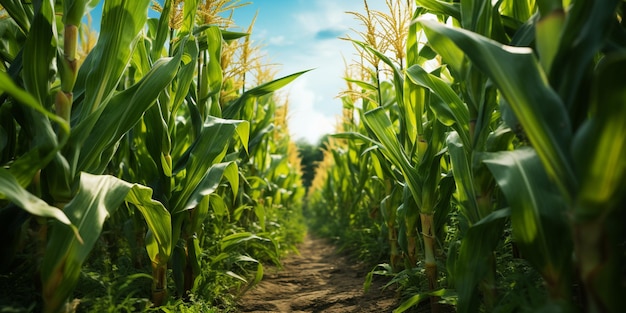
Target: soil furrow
column 318, row 280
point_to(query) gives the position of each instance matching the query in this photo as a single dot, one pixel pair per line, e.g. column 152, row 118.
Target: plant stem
column 430, row 264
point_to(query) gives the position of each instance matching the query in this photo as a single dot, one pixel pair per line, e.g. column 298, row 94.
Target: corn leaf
column 212, row 180
column 39, row 51
column 97, row 198
column 11, row 190
column 209, row 149
column 398, row 79
column 518, row 76
column 233, row 109
column 441, row 7
column 20, row 12
column 599, row 147
column 162, row 30
column 158, row 220
column 476, row 16
column 538, row 215
column 123, row 111
column 588, row 26
column 122, row 20
column 473, row 263
column 462, row 170
column 450, row 111
column 73, row 11
column 213, row 72
column 189, row 16
column 380, row 124
column 43, row 144
column 186, row 72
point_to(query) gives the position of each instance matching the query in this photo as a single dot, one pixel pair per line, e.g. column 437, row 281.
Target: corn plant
column 145, row 105
column 544, row 95
column 55, row 162
column 495, row 90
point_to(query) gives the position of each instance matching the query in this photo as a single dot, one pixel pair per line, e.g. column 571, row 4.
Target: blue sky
column 303, row 34
column 299, row 35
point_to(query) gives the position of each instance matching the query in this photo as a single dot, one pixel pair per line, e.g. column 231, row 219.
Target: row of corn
column 149, row 140
column 482, row 146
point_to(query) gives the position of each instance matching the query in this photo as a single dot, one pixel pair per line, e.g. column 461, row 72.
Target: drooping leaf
column 211, row 181
column 97, row 198
column 209, row 149
column 11, row 190
column 518, row 75
column 380, row 124
column 538, row 215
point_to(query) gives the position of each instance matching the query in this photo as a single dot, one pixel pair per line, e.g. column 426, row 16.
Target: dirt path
column 319, row 280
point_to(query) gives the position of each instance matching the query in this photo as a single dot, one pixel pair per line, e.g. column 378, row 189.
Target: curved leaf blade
column 518, row 75
column 538, row 214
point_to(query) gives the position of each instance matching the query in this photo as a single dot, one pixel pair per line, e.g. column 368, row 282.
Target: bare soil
column 320, row 279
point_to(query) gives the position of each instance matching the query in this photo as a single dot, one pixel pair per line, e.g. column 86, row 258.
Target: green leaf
column 588, row 27
column 398, row 78
column 416, row 299
column 209, row 149
column 441, row 7
column 20, row 12
column 158, row 220
column 599, row 149
column 189, row 16
column 44, row 145
column 231, row 35
column 233, row 109
column 538, row 215
column 39, row 51
column 162, row 30
column 362, row 84
column 11, row 190
column 380, row 124
column 473, row 263
column 73, row 11
column 476, row 17
column 464, row 178
column 97, row 198
column 212, row 180
column 234, row 240
column 451, row 111
column 103, row 68
column 518, row 76
column 186, row 73
column 213, row 72
column 123, row 111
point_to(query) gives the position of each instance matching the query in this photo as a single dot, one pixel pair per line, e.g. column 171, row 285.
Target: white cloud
column 307, row 43
column 304, row 121
column 279, row 41
column 323, row 15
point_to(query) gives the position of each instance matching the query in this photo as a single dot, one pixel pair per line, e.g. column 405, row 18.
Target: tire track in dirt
column 318, row 280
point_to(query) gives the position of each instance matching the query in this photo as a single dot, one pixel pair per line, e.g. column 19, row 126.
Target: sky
column 300, row 35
